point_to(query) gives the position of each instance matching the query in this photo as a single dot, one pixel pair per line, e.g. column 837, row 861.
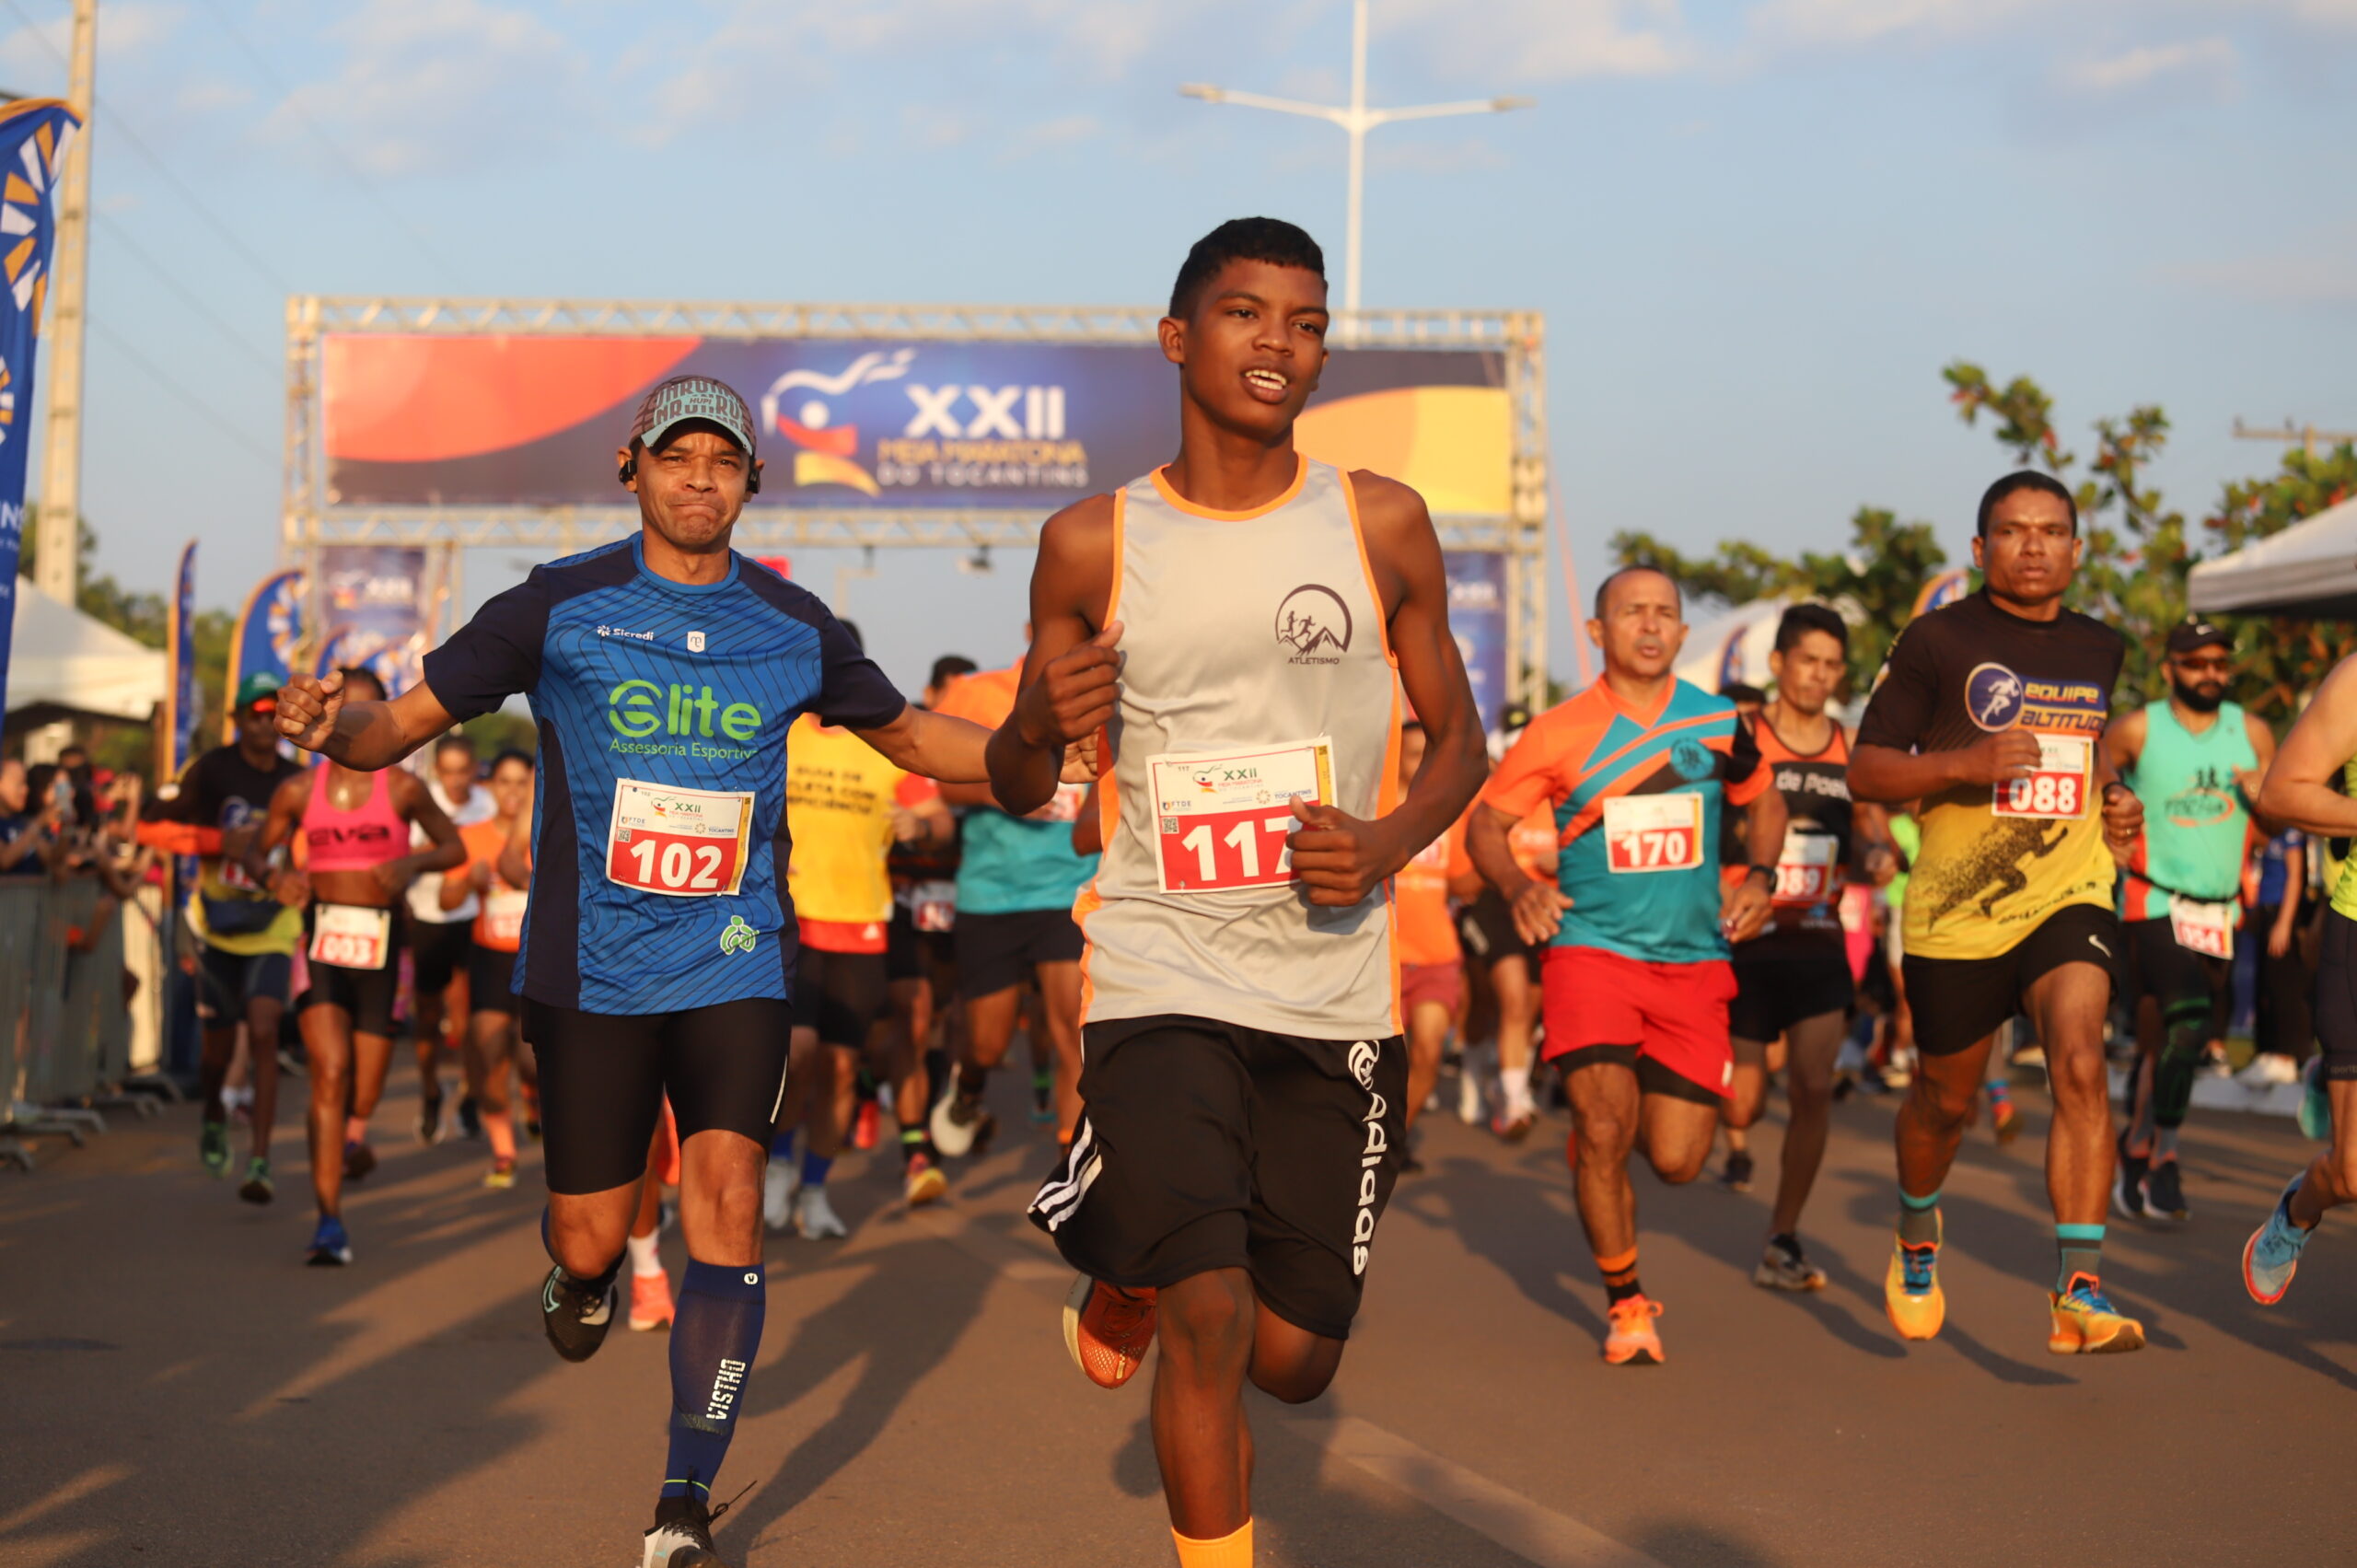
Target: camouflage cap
column 683, row 398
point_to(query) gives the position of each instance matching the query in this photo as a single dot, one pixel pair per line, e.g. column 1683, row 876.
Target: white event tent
column 2309, row 569
column 62, row 659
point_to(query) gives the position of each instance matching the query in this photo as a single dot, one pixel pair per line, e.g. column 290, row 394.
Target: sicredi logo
column 641, row 709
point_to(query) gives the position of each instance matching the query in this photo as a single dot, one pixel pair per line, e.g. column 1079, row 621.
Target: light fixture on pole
column 1356, row 118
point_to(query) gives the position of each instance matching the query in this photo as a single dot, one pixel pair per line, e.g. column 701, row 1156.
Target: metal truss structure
column 310, row 518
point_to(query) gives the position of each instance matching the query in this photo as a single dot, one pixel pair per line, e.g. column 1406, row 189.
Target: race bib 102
column 351, row 938
column 1653, row 832
column 682, row 843
column 2057, row 790
column 1223, row 817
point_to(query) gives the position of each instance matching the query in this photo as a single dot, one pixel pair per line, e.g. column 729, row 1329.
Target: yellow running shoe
column 1910, row 1289
column 923, row 1182
column 1631, row 1342
column 2086, row 1322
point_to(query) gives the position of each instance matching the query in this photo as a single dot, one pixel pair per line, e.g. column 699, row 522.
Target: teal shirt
column 1013, row 864
column 2197, row 826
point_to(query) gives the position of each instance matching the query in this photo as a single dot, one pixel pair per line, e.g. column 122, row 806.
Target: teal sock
column 2080, row 1249
column 1919, row 1218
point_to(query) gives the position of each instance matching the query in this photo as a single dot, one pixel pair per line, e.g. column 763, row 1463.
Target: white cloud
column 427, row 85
column 32, row 56
column 2322, row 271
column 1543, row 40
column 1865, row 22
column 2210, row 59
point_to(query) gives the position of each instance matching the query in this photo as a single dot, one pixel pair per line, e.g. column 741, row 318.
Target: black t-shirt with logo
column 1804, row 920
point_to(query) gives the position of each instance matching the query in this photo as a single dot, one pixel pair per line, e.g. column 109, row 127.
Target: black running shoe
column 577, row 1313
column 470, row 1117
column 2128, row 1185
column 2164, row 1193
column 1736, row 1178
column 681, row 1536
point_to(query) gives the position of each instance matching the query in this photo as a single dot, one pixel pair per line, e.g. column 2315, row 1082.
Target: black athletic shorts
column 2160, row 968
column 2337, row 998
column 490, row 981
column 367, row 994
column 227, row 983
column 842, row 995
column 438, row 953
column 998, row 952
column 604, row 1077
column 1208, row 1145
column 1772, row 994
column 1958, row 1002
column 911, row 954
column 1486, row 927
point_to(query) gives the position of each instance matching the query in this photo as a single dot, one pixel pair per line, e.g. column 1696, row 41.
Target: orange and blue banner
column 181, row 702
column 1942, row 590
column 35, row 135
column 269, row 635
column 1477, row 614
column 372, row 609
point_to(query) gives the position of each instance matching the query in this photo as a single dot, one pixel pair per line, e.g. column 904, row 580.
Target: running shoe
column 2316, row 1103
column 1737, row 1177
column 1107, row 1329
column 2271, row 1256
column 814, row 1218
column 2004, row 1118
column 359, row 1159
column 2267, row 1069
column 331, row 1245
column 1782, row 1267
column 650, row 1301
column 682, row 1535
column 1043, row 1097
column 2214, row 1062
column 213, row 1148
column 575, row 1314
column 2086, row 1322
column 470, row 1117
column 1632, row 1341
column 1469, row 1096
column 501, row 1176
column 2128, row 1182
column 1514, row 1126
column 865, row 1124
column 956, row 1124
column 1911, row 1288
column 258, row 1187
column 2164, row 1193
column 923, row 1182
column 428, row 1125
column 777, row 1193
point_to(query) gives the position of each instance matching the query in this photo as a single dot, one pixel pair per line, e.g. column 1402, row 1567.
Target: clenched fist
column 1075, row 694
column 308, row 707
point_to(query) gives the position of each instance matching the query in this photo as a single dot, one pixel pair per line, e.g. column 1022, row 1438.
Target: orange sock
column 499, row 1126
column 1228, row 1552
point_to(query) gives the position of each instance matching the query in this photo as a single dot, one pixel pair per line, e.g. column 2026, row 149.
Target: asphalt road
column 177, row 1388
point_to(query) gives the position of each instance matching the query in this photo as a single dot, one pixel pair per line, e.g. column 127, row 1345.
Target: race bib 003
column 351, row 938
column 1223, row 817
column 1653, row 832
column 2056, row 790
column 2206, row 929
column 682, row 843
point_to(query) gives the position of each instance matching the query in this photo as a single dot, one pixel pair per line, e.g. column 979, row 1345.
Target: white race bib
column 351, row 938
column 2056, row 790
column 1805, row 874
column 1223, row 817
column 2206, row 929
column 682, row 843
column 932, row 906
column 1653, row 832
column 503, row 916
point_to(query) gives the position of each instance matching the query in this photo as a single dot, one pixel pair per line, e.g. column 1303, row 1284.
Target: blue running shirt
column 642, row 686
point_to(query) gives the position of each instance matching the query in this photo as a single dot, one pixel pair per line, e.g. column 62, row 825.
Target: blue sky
column 1758, row 230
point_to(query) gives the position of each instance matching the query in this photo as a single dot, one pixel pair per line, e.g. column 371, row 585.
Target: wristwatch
column 1767, row 871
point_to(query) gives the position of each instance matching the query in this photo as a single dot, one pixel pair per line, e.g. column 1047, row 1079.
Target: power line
column 121, row 126
column 203, row 409
column 188, row 296
column 293, row 104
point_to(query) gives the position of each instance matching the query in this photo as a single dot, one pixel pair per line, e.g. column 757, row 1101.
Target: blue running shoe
column 2271, row 1256
column 331, row 1245
column 2316, row 1105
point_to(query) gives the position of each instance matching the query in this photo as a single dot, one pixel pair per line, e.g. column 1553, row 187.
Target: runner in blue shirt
column 659, row 951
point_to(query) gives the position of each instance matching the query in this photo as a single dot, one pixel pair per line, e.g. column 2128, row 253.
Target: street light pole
column 58, row 524
column 1357, row 120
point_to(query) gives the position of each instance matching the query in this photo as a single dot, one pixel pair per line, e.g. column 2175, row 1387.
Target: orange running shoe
column 865, row 1124
column 1633, row 1341
column 650, row 1301
column 1107, row 1330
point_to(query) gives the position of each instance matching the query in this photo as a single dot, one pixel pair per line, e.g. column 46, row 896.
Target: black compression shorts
column 1208, row 1145
column 438, row 953
column 998, row 952
column 2172, row 975
column 2337, row 998
column 1486, row 927
column 490, row 981
column 366, row 994
column 604, row 1077
column 1772, row 994
column 842, row 995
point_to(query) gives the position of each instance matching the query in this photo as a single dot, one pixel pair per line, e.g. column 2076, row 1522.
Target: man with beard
column 2195, row 761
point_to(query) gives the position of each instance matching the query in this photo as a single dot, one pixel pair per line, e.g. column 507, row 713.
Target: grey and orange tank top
column 1256, row 666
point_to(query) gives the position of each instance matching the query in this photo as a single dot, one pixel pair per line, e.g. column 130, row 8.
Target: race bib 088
column 1221, row 818
column 682, row 843
column 2057, row 790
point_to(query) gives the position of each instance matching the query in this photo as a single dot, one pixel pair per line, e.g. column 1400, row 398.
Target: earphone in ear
column 752, row 478
column 628, row 471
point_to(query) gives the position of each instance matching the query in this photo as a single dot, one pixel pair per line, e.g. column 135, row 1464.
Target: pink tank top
column 359, row 839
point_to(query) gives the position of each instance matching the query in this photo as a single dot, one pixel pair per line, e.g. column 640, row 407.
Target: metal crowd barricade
column 65, row 1026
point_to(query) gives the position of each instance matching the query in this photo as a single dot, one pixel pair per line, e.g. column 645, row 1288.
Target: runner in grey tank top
column 1227, row 629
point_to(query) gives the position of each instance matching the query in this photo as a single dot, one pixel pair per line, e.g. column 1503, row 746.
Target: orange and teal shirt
column 1637, row 799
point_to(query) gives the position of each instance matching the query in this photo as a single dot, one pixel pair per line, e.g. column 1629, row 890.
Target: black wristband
column 1767, row 871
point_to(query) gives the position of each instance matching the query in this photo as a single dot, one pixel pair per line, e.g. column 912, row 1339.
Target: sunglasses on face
column 2216, row 664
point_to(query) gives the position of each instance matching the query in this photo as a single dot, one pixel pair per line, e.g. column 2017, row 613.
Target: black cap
column 2195, row 632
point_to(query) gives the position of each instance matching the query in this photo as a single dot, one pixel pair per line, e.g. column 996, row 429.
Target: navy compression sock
column 717, row 1330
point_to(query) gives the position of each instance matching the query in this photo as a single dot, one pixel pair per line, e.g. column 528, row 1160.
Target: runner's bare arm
column 1887, row 774
column 1538, row 906
column 2123, row 813
column 1071, row 682
column 932, row 744
column 312, row 713
column 287, row 803
column 1337, row 856
column 2298, row 790
column 2123, row 739
column 1743, row 909
column 443, row 851
column 1088, row 828
column 516, row 854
